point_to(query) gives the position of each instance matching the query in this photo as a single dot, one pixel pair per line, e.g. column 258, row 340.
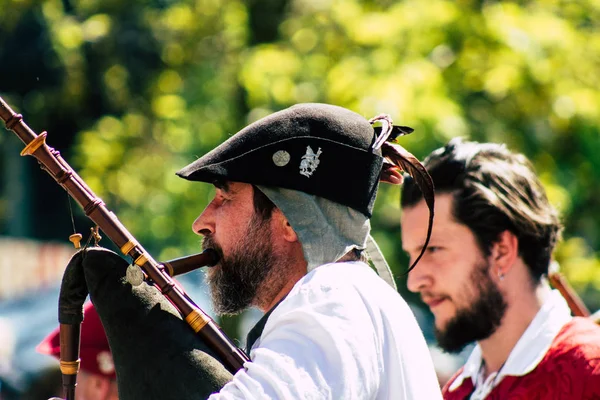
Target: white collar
column 531, row 347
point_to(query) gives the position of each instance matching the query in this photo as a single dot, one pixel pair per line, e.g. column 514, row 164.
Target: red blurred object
column 95, row 354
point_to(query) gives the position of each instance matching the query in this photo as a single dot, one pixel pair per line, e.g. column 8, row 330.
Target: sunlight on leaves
column 96, row 27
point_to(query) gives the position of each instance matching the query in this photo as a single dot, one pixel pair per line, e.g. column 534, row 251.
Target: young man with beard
column 290, row 221
column 483, row 277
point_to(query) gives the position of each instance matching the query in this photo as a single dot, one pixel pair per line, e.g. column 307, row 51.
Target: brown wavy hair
column 494, row 190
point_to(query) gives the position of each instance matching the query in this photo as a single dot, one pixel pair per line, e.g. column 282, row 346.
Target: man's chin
column 442, row 318
column 441, row 327
column 454, row 334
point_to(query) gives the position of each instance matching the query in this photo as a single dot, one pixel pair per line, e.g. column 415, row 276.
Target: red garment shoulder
column 579, row 339
column 460, row 393
column 569, row 370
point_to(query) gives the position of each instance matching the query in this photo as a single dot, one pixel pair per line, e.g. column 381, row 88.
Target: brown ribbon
column 396, row 157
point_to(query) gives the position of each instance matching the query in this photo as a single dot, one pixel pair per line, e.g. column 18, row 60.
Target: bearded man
column 290, row 221
column 483, row 277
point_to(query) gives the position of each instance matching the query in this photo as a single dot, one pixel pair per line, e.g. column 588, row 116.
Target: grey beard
column 480, row 320
column 239, row 279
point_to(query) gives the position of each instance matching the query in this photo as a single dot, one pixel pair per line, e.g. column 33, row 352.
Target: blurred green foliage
column 154, row 84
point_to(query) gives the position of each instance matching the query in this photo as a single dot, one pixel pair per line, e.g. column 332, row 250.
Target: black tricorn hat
column 319, row 149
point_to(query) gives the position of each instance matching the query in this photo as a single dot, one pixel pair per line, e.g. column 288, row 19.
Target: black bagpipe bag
column 156, row 354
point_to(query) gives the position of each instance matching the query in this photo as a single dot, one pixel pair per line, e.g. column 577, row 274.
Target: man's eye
column 432, row 249
column 221, row 196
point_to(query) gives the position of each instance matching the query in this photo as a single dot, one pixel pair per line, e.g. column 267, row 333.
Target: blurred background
column 131, row 91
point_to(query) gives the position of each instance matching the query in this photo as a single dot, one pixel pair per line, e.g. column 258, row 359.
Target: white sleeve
column 314, row 346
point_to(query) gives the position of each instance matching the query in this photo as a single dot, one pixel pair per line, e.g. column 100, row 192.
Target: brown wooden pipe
column 559, row 282
column 69, row 358
column 182, row 265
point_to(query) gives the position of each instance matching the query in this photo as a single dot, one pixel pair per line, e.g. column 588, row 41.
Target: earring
column 500, row 275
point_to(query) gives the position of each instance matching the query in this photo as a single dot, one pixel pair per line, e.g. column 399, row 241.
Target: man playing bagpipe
column 484, row 278
column 290, row 222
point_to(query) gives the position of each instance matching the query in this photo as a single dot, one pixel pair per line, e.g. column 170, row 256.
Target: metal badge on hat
column 281, row 158
column 310, row 162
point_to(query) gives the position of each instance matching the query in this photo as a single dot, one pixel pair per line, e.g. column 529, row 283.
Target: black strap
column 258, row 328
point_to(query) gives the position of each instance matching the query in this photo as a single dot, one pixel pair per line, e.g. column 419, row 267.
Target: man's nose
column 205, row 223
column 419, row 278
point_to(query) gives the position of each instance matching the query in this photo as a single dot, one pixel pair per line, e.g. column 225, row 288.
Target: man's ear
column 391, row 174
column 283, row 225
column 505, row 252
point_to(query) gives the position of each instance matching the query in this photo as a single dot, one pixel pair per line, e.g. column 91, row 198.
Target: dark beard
column 480, row 320
column 238, row 281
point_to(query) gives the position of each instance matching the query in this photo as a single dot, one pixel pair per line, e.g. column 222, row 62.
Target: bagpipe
column 147, row 315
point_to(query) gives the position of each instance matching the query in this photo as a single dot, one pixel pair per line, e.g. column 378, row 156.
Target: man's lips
column 433, row 302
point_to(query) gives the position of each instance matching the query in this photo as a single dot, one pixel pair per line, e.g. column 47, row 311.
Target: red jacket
column 569, row 370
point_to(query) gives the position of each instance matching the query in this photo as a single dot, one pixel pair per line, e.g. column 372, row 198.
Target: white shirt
column 341, row 333
column 527, row 353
